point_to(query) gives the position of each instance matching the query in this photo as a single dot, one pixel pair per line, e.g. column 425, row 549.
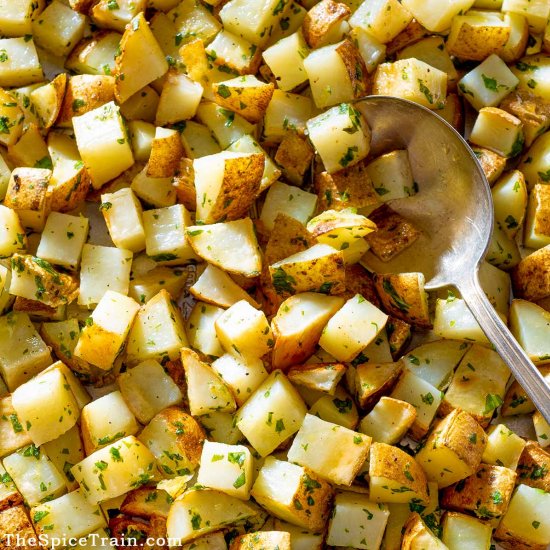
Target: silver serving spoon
column 454, row 210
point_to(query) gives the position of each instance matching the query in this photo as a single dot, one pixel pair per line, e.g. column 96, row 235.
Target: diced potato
column 461, row 531
column 492, row 164
column 158, row 331
column 347, row 526
column 454, row 320
column 498, row 131
column 338, row 409
column 273, row 413
column 423, row 396
column 22, row 352
column 478, row 384
column 294, row 156
column 435, row 361
column 232, row 54
column 21, row 65
column 221, row 428
column 102, row 339
column 179, row 98
column 148, row 389
column 433, row 16
column 165, row 238
column 286, row 61
column 226, row 184
column 534, row 466
column 202, row 511
column 529, row 324
column 352, row 328
column 488, row 84
column 319, row 376
column 453, row 449
column 17, row 16
column 206, row 391
column 510, row 201
column 324, row 23
column 146, row 286
column 46, row 406
column 158, row 192
column 201, row 329
column 266, row 539
column 95, row 55
column 114, row 470
column 9, row 495
column 12, row 434
column 331, row 451
column 117, row 16
column 12, row 235
column 372, row 380
column 392, row 176
column 175, row 439
column 69, row 515
column 34, row 475
column 504, row 447
column 48, row 99
column 503, row 252
column 215, row 243
column 542, row 429
column 6, row 298
column 529, row 279
column 336, row 73
column 388, row 421
column 536, row 12
column 418, row 536
column 298, row 325
column 280, row 485
column 537, row 224
column 103, row 268
column 142, row 106
column 137, row 44
column 102, row 143
column 394, row 476
column 226, row 468
column 106, row 420
column 487, row 493
column 525, row 523
column 289, row 200
column 414, row 80
column 166, row 153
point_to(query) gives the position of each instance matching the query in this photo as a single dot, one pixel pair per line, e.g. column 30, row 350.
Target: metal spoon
column 454, row 210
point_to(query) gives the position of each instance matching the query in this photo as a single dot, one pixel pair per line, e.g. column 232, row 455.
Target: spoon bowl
column 454, row 211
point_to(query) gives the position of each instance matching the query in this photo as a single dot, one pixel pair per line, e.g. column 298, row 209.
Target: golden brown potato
column 16, row 521
column 348, row 188
column 177, row 373
column 516, row 401
column 34, row 308
column 318, row 376
column 193, row 56
column 146, row 502
column 355, row 67
column 322, row 20
column 534, row 467
column 395, row 476
column 166, row 154
column 403, row 296
column 359, row 281
column 126, row 529
column 184, row 183
column 69, row 188
column 81, row 6
column 532, row 110
column 399, row 335
column 48, row 99
column 393, row 235
column 294, row 156
column 453, row 449
column 486, row 493
column 262, row 540
column 416, row 535
column 412, row 33
column 245, row 95
column 9, row 496
column 531, row 277
column 373, row 380
column 492, row 164
column 10, row 439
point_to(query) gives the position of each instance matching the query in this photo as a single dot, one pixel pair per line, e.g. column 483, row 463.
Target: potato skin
column 262, row 540
column 531, row 277
column 399, row 335
column 146, row 502
column 486, row 493
column 492, row 164
column 534, row 467
column 27, row 189
column 166, row 153
column 475, row 43
column 248, row 101
column 384, row 376
column 413, row 528
column 294, row 156
column 359, row 281
column 15, row 521
column 412, row 33
column 320, row 20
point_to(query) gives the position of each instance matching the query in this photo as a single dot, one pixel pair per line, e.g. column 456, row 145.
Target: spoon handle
column 524, row 370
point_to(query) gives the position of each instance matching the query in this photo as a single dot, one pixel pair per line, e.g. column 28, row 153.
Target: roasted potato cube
column 337, row 73
column 27, row 195
column 486, row 493
column 393, row 233
column 536, row 13
column 166, row 153
column 388, row 421
column 264, row 540
column 412, row 33
column 372, row 380
column 21, row 65
column 542, row 429
column 492, row 164
column 294, row 156
column 478, row 384
column 504, row 447
column 13, row 521
column 534, row 466
column 531, row 278
column 285, row 113
column 384, row 19
column 11, row 430
column 331, row 451
column 214, row 244
column 347, row 525
column 526, row 523
column 318, row 376
column 338, row 409
column 137, row 44
column 234, row 54
column 394, row 476
column 48, row 99
column 179, row 98
column 537, row 223
column 202, row 511
column 414, row 80
column 417, row 535
column 322, row 23
column 226, row 184
column 392, row 176
column 403, row 296
column 529, row 323
column 460, row 530
column 146, row 502
column 293, row 493
column 453, row 449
